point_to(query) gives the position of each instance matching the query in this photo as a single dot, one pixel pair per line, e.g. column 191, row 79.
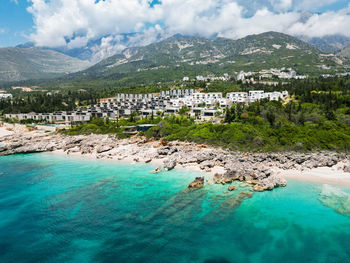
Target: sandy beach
column 324, row 175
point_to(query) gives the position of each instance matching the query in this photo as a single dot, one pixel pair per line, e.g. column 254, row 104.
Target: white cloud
column 15, row 1
column 281, row 5
column 2, row 30
column 115, row 44
column 74, row 23
column 262, row 21
column 57, row 20
column 319, row 25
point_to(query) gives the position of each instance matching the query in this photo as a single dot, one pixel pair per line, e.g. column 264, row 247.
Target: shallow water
column 64, row 209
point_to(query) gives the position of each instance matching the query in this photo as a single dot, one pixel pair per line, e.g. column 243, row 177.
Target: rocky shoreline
column 259, row 170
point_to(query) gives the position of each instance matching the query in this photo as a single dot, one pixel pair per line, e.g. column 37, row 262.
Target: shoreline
column 323, row 175
column 155, row 163
column 263, row 171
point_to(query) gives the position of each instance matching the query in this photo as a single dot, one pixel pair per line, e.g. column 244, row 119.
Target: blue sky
column 335, row 6
column 58, row 22
column 15, row 22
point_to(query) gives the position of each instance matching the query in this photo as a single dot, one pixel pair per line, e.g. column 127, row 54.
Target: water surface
column 64, row 209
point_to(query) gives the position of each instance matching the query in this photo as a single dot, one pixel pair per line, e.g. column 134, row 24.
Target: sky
column 75, row 23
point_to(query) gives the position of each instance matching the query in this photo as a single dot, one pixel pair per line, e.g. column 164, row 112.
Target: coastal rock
column 148, row 160
column 197, row 183
column 163, row 150
column 104, row 148
column 270, row 183
column 346, row 168
column 208, row 163
column 226, row 178
column 85, row 150
column 169, row 164
column 204, row 156
column 253, row 168
column 163, row 142
column 232, row 188
column 73, row 150
column 157, row 170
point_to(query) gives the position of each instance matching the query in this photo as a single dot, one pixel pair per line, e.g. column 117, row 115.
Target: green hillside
column 34, row 63
column 180, row 56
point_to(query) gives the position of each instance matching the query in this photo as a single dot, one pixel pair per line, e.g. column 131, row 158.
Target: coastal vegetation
column 316, row 116
column 310, row 120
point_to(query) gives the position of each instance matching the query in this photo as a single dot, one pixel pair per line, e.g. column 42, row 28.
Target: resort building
column 5, row 96
column 203, row 106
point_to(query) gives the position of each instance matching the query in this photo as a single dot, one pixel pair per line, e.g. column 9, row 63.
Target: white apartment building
column 5, row 95
column 240, row 97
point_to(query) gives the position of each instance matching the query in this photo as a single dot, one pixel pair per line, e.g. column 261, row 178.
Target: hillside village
column 202, row 106
column 273, row 73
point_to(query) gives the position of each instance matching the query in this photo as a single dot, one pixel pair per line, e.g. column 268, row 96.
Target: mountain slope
column 345, row 52
column 345, row 55
column 34, row 63
column 180, row 56
column 329, row 44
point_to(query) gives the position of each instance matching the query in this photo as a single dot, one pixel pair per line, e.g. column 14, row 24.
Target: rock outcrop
column 169, row 164
column 270, row 183
column 197, row 183
column 257, row 169
column 232, row 188
column 157, row 170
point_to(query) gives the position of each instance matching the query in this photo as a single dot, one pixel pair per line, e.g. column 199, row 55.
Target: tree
column 271, row 117
column 230, row 115
column 183, row 110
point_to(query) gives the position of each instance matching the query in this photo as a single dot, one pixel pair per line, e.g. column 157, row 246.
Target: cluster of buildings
column 283, row 73
column 225, row 77
column 203, row 106
column 346, row 74
column 5, row 96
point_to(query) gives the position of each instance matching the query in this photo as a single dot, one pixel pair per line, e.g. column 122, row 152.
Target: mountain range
column 35, row 63
column 96, row 50
column 173, row 58
column 331, row 44
column 180, row 56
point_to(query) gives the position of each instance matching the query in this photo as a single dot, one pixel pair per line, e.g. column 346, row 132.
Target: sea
column 56, row 208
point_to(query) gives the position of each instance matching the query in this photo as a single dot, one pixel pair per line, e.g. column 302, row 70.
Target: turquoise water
column 64, row 209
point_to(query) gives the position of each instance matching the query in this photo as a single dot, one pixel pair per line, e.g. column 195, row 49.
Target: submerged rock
column 232, row 188
column 235, row 201
column 157, row 170
column 335, row 199
column 209, row 181
column 197, row 183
